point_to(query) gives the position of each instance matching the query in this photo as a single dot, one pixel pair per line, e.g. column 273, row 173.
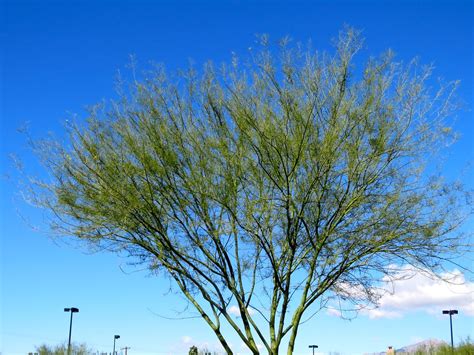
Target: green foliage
column 76, row 349
column 275, row 186
column 465, row 347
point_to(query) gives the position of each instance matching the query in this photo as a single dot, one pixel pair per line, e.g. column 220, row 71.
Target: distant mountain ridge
column 410, row 349
column 422, row 345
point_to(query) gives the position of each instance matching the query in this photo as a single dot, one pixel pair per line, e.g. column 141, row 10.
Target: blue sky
column 59, row 56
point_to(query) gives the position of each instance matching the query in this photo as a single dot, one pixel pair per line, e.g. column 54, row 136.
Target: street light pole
column 313, row 347
column 115, row 338
column 72, row 310
column 451, row 312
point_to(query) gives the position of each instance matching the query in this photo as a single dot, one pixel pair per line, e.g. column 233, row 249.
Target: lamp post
column 72, row 310
column 451, row 312
column 115, row 338
column 313, row 347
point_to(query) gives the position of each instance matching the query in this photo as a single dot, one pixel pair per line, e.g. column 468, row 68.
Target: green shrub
column 76, row 349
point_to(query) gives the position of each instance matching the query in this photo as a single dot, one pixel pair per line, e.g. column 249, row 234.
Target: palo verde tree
column 273, row 186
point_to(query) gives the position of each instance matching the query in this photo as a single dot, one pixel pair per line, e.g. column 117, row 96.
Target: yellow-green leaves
column 286, row 176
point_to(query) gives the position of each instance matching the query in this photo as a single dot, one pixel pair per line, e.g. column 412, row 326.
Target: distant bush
column 465, row 347
column 61, row 349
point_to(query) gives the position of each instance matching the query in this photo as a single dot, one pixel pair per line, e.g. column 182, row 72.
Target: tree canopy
column 274, row 186
column 76, row 349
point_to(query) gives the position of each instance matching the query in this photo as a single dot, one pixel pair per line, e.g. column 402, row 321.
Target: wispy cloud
column 421, row 290
column 334, row 312
column 186, row 339
column 185, row 342
column 245, row 349
column 234, row 310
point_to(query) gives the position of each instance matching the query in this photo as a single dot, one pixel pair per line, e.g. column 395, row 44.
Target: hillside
column 410, row 349
column 423, row 345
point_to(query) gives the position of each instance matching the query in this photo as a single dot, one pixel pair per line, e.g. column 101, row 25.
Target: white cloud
column 186, row 339
column 380, row 313
column 245, row 348
column 425, row 291
column 185, row 342
column 414, row 290
column 333, row 312
column 234, row 310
